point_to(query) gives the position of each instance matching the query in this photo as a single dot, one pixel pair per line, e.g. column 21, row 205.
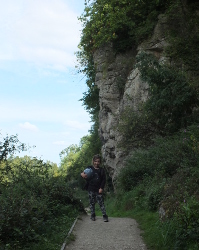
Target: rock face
column 120, row 86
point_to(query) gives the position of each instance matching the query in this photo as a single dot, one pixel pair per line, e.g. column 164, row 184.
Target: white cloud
column 77, row 125
column 13, row 111
column 42, row 32
column 60, row 143
column 28, row 126
column 38, row 40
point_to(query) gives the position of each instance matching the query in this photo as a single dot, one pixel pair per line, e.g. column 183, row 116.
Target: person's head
column 96, row 160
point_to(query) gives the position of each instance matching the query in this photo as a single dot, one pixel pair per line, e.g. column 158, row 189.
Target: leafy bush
column 187, row 221
column 30, row 198
column 74, row 159
column 137, row 129
column 172, row 105
column 164, row 160
column 154, row 193
column 136, row 169
column 166, row 176
column 183, row 37
column 22, row 216
column 171, row 98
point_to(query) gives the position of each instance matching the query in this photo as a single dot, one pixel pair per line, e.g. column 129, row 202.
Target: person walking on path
column 95, row 182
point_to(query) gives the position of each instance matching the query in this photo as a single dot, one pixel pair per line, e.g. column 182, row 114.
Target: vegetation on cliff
column 172, row 104
column 123, row 23
column 163, row 140
column 161, row 174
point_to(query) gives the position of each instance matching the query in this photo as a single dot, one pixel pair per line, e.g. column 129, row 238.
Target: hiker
column 95, row 182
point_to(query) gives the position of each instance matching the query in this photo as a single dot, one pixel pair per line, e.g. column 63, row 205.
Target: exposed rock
column 119, row 86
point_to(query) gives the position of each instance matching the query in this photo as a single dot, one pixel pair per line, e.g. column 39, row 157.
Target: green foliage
column 187, row 219
column 32, row 197
column 55, row 234
column 173, row 94
column 166, row 176
column 166, row 158
column 90, row 100
column 10, row 145
column 183, row 38
column 156, row 235
column 123, row 23
column 172, row 105
column 163, row 171
column 136, row 127
column 68, row 158
column 75, row 159
column 86, row 67
column 135, row 170
column 171, row 98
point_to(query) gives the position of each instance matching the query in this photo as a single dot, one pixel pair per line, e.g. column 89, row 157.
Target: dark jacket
column 98, row 181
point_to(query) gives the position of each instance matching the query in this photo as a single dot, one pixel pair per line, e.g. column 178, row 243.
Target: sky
column 39, row 84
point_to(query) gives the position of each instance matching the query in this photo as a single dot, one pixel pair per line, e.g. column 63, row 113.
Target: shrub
column 30, row 200
column 171, row 97
column 187, row 220
column 172, row 162
column 136, row 128
column 136, row 168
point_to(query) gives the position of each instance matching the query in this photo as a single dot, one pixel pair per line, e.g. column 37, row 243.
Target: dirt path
column 117, row 234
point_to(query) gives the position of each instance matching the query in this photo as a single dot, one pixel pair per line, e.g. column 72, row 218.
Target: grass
column 156, row 235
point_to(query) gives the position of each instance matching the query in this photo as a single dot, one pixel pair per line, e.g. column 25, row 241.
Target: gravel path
column 117, row 234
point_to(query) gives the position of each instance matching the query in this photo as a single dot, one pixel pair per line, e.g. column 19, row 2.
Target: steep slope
column 120, row 86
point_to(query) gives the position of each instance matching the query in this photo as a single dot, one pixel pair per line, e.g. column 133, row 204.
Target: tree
column 74, row 159
column 10, row 145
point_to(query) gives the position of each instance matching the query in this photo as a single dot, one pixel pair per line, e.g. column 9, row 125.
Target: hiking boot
column 105, row 218
column 92, row 217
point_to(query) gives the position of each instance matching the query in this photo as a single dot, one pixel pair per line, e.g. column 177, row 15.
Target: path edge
column 69, row 233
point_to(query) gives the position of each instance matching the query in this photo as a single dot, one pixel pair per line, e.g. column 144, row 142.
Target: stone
column 120, row 86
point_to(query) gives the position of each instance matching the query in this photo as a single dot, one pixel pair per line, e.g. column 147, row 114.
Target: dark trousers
column 93, row 197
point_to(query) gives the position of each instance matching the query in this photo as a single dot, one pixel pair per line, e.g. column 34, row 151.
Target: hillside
column 141, row 59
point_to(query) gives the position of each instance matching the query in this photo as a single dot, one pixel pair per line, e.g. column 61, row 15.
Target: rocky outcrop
column 120, row 86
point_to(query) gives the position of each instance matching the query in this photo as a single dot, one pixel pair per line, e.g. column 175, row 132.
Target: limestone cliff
column 120, row 86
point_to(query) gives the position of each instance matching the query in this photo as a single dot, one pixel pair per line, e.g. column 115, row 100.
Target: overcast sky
column 39, row 86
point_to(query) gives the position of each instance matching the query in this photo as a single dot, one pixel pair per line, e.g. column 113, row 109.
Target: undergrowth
column 156, row 234
column 159, row 188
column 36, row 208
column 56, row 233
